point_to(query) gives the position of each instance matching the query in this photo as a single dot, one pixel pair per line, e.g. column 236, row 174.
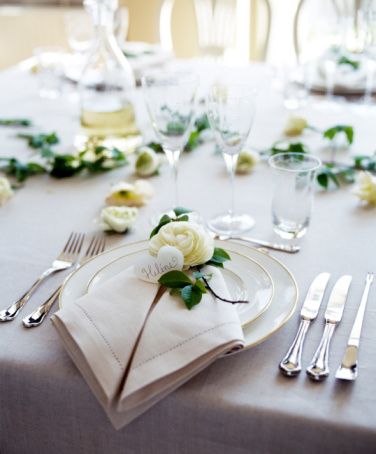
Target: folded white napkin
column 132, row 352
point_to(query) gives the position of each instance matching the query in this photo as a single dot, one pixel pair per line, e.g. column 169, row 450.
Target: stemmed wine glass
column 230, row 111
column 170, row 100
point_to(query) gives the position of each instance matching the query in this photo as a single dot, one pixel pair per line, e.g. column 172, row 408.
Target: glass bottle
column 106, row 87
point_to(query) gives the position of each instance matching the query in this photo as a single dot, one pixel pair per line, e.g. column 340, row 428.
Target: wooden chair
column 310, row 14
column 216, row 28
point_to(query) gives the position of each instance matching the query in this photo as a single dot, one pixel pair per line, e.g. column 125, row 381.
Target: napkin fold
column 134, row 346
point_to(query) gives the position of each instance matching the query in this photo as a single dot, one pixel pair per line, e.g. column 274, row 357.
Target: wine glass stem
column 173, row 159
column 231, row 161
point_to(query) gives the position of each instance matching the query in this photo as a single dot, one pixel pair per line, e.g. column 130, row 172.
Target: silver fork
column 348, row 370
column 65, row 260
column 96, row 246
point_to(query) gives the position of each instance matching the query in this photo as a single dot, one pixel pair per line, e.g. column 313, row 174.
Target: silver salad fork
column 96, row 246
column 64, row 260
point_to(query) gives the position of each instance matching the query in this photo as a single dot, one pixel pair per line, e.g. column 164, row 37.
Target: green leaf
column 332, row 132
column 220, row 256
column 174, row 279
column 21, row 171
column 157, row 147
column 15, row 122
column 323, row 180
column 165, row 219
column 40, row 140
column 201, row 286
column 202, row 123
column 181, row 210
column 183, row 218
column 193, row 141
column 283, row 147
column 157, row 228
column 198, row 274
column 327, row 175
column 343, row 60
column 191, row 295
column 65, row 166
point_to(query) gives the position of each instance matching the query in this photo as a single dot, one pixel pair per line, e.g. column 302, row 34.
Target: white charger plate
column 245, row 280
column 281, row 309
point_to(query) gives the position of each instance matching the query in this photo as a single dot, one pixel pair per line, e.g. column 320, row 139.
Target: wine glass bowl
column 230, row 112
column 170, row 100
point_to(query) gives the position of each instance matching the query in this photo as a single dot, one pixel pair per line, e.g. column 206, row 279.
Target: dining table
column 241, row 403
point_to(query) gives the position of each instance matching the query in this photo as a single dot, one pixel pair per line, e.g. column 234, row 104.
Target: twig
column 225, row 300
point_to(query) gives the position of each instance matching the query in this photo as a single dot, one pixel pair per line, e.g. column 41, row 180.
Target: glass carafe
column 106, row 87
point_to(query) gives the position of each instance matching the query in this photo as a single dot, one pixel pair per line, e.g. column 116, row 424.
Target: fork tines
column 96, row 246
column 73, row 246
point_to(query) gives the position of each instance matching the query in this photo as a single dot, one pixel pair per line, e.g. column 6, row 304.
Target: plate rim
column 266, row 307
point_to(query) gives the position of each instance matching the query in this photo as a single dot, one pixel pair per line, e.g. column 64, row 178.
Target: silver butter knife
column 348, row 370
column 291, row 363
column 319, row 367
column 289, row 248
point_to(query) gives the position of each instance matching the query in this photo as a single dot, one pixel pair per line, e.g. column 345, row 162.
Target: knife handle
column 319, row 367
column 291, row 363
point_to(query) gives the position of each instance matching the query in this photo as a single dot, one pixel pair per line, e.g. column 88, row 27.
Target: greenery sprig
column 343, row 60
column 181, row 214
column 15, row 122
column 332, row 173
column 194, row 140
column 191, row 289
column 93, row 160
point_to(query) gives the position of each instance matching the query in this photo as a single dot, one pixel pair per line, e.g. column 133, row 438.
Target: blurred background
column 235, row 30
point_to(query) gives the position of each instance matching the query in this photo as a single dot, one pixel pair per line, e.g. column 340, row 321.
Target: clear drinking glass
column 171, row 99
column 50, row 64
column 294, row 177
column 295, row 94
column 231, row 111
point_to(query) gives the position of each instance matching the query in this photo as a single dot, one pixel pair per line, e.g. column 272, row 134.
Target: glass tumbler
column 294, row 177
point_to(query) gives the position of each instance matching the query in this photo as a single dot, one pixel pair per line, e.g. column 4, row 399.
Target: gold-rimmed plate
column 245, row 280
column 279, row 312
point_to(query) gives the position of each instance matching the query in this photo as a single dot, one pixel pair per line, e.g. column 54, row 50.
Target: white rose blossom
column 117, row 219
column 366, row 188
column 6, row 191
column 295, row 126
column 192, row 240
column 246, row 162
column 147, row 162
column 128, row 194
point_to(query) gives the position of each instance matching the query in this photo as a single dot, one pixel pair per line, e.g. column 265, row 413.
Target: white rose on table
column 6, row 191
column 295, row 126
column 147, row 162
column 192, row 240
column 246, row 162
column 117, row 219
column 128, row 194
column 366, row 188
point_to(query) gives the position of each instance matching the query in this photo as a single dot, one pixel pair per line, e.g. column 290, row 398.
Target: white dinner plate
column 245, row 280
column 281, row 309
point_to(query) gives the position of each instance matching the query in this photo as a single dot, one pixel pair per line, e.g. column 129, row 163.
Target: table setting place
column 167, row 246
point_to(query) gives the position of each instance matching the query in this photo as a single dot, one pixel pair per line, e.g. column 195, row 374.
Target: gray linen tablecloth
column 238, row 405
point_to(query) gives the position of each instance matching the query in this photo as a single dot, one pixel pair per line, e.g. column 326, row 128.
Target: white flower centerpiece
column 181, row 253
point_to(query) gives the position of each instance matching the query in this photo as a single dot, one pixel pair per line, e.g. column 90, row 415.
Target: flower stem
column 225, row 300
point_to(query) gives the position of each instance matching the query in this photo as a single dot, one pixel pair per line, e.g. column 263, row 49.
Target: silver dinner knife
column 319, row 367
column 348, row 370
column 291, row 363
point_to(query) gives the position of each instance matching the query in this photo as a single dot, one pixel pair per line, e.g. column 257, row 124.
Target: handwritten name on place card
column 150, row 269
